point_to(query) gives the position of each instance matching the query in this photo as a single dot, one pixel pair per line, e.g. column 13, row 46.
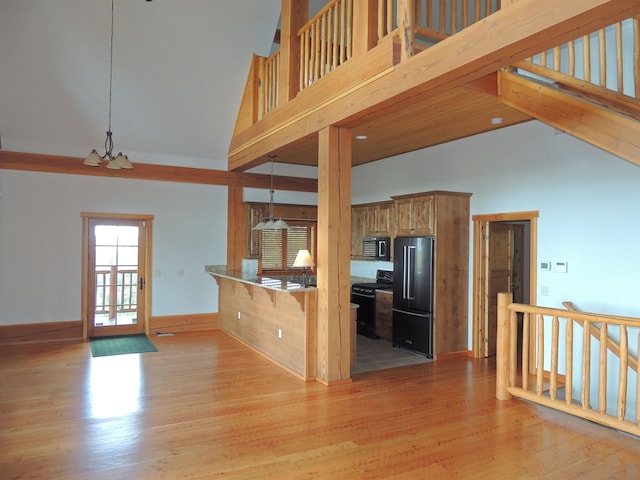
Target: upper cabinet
column 379, row 219
column 370, row 220
column 414, row 214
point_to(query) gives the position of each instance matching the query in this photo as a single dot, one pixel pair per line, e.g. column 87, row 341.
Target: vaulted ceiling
column 178, row 73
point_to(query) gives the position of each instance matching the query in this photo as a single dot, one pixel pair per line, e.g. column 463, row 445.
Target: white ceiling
column 179, row 69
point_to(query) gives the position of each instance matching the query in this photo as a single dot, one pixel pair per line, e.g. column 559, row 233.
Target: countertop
column 284, row 284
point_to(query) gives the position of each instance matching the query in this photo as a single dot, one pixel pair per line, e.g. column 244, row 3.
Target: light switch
column 560, row 266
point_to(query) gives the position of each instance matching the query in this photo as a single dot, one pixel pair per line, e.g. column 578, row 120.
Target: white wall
column 589, row 204
column 41, row 241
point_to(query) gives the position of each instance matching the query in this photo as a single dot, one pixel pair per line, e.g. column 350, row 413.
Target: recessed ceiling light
column 496, row 120
column 361, row 137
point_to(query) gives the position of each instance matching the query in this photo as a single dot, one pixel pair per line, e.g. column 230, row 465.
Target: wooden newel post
column 502, row 356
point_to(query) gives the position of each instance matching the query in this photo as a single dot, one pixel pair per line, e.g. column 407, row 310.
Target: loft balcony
column 410, row 74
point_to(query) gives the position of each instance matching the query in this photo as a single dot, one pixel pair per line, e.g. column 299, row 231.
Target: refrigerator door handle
column 404, row 312
column 404, row 272
column 411, row 257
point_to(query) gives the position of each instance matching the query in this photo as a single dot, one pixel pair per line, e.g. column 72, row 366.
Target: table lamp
column 303, row 260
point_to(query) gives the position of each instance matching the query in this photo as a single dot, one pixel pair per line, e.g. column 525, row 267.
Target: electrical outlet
column 279, row 333
column 544, row 291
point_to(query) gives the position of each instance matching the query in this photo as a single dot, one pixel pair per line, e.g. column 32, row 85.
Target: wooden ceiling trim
column 144, row 171
column 505, row 37
column 599, row 126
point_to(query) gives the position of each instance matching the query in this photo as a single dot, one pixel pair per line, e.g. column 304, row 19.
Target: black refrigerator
column 413, row 294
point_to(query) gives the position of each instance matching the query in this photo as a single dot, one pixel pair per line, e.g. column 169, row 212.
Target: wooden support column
column 334, row 244
column 295, row 14
column 235, row 229
column 365, row 28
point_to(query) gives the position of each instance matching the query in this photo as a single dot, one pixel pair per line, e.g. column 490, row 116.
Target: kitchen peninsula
column 274, row 316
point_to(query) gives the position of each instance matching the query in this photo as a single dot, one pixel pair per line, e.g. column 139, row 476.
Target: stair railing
column 608, row 58
column 540, row 373
column 612, row 345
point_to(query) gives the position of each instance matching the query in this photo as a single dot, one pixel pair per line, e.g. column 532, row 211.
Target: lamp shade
column 303, row 259
column 93, row 160
column 280, row 224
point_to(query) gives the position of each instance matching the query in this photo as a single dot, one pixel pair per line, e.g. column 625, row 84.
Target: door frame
column 87, row 217
column 480, row 274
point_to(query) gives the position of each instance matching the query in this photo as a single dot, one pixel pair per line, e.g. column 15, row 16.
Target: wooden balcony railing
column 326, row 41
column 268, row 94
column 430, row 21
column 608, row 58
column 558, row 364
column 116, row 291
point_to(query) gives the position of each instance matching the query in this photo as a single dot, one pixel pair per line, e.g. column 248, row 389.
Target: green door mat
column 101, row 347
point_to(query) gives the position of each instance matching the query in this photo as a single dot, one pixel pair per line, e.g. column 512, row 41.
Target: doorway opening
column 504, row 260
column 115, row 265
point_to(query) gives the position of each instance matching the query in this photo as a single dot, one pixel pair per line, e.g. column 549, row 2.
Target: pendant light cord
column 111, row 63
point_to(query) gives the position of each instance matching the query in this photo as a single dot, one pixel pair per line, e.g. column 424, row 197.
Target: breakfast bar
column 274, row 316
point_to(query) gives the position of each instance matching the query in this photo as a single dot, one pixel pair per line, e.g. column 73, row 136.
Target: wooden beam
column 334, row 250
column 507, row 36
column 597, row 125
column 143, row 171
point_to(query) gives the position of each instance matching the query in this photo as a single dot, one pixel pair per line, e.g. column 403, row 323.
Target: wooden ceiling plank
column 592, row 123
column 510, row 35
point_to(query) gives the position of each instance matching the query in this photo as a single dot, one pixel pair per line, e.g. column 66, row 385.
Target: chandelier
column 115, row 162
column 271, row 223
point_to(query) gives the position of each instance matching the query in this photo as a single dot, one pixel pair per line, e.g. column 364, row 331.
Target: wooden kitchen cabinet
column 379, row 219
column 384, row 314
column 414, row 214
column 370, row 220
column 358, row 228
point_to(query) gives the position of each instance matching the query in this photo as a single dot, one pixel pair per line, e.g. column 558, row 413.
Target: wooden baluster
column 429, row 20
column 586, row 365
column 343, row 40
column 478, row 9
column 334, row 37
column 602, row 387
column 602, row 42
column 543, row 58
column 636, row 59
column 586, row 52
column 638, row 389
column 513, row 348
column 568, row 375
column 316, row 52
column 553, row 381
column 381, row 20
column 324, row 39
column 540, row 353
column 624, row 365
column 556, row 59
column 619, row 57
column 525, row 351
column 418, row 13
column 442, row 14
column 572, row 58
column 349, row 28
column 465, row 13
column 454, row 15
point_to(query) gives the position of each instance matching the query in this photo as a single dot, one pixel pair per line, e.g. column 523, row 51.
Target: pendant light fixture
column 118, row 161
column 271, row 224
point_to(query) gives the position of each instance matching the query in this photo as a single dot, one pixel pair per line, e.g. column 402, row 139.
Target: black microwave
column 378, row 248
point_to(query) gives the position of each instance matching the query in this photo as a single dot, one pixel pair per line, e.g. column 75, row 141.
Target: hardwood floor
column 206, row 407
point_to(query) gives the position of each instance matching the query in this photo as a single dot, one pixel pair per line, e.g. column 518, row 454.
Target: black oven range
column 364, row 295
